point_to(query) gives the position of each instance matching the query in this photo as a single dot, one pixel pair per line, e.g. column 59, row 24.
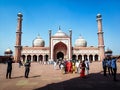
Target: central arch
column 60, row 51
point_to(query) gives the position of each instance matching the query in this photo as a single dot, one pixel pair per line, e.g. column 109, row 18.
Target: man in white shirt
column 87, row 66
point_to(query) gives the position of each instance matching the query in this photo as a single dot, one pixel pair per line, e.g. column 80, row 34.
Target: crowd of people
column 110, row 66
column 73, row 66
column 66, row 66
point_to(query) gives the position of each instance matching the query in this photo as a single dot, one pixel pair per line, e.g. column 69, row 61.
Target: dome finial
column 59, row 27
column 38, row 36
column 80, row 35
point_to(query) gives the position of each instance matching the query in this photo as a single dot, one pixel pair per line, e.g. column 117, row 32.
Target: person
column 77, row 66
column 27, row 68
column 104, row 65
column 87, row 66
column 114, row 67
column 69, row 66
column 82, row 67
column 62, row 67
column 9, row 68
column 55, row 65
column 73, row 67
column 110, row 71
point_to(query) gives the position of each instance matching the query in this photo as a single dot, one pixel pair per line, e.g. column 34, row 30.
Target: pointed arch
column 60, row 47
column 74, row 57
column 91, row 58
column 96, row 57
column 35, row 58
column 79, row 57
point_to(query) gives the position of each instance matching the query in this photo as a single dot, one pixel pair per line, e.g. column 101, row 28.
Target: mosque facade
column 60, row 46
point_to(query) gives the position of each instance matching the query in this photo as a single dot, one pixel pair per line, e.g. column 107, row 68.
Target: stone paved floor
column 44, row 77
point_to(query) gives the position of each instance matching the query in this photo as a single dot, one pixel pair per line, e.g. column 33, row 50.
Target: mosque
column 60, row 46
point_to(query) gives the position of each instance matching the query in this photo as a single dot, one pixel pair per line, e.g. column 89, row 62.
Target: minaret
column 100, row 37
column 18, row 46
column 70, row 31
column 50, row 44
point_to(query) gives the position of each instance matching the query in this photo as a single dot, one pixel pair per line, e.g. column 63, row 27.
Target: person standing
column 87, row 66
column 69, row 66
column 62, row 67
column 27, row 68
column 73, row 67
column 114, row 67
column 55, row 64
column 104, row 65
column 9, row 68
column 110, row 71
column 82, row 67
column 77, row 66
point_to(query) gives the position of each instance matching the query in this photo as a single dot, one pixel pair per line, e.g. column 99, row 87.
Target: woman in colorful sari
column 69, row 66
column 82, row 67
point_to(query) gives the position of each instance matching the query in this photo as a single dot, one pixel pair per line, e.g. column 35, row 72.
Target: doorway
column 60, row 55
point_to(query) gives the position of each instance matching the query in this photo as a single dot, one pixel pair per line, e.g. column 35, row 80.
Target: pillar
column 31, row 58
column 37, row 58
column 93, row 57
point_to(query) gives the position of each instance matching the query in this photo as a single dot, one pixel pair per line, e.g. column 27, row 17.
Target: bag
column 26, row 64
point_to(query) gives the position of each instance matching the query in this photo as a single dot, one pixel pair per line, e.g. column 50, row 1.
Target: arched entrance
column 79, row 57
column 60, row 51
column 96, row 57
column 23, row 58
column 35, row 58
column 74, row 57
column 29, row 57
column 60, row 55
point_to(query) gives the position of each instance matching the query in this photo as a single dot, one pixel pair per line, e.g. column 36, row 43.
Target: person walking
column 27, row 68
column 9, row 68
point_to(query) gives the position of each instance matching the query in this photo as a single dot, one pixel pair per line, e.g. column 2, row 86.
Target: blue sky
column 41, row 15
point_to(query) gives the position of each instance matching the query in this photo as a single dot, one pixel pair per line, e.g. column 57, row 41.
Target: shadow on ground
column 94, row 81
column 35, row 76
column 23, row 76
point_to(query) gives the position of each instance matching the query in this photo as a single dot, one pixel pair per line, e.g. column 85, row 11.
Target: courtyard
column 45, row 77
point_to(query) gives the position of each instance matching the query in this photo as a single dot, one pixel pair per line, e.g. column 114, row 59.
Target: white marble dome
column 80, row 42
column 60, row 33
column 8, row 51
column 38, row 42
